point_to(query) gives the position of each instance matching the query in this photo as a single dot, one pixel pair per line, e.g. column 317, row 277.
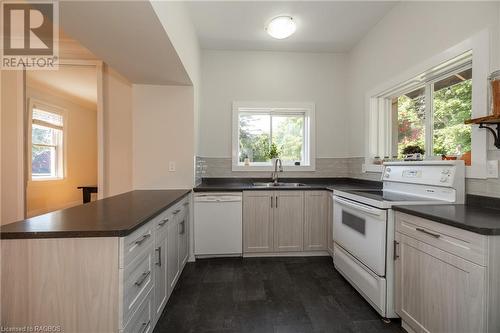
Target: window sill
column 270, row 168
column 372, row 168
column 48, row 179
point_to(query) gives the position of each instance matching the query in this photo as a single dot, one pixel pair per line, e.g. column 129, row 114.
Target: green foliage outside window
column 255, row 140
column 452, row 106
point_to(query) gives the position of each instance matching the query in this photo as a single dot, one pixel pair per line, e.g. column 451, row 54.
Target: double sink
column 278, row 184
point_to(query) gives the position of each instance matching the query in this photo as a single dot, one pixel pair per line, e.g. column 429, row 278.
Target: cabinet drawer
column 138, row 281
column 136, row 243
column 161, row 221
column 462, row 243
column 142, row 320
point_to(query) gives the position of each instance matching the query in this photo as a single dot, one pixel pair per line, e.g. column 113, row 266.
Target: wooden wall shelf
column 488, row 123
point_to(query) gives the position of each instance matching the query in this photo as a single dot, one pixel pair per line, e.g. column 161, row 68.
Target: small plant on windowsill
column 413, row 153
column 273, row 153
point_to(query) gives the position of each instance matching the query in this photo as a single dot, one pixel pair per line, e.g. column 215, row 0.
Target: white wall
column 176, row 20
column 273, row 76
column 408, row 35
column 12, row 143
column 117, row 95
column 163, row 132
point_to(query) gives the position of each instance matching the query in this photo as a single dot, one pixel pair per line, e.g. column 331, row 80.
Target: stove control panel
column 432, row 173
column 445, row 178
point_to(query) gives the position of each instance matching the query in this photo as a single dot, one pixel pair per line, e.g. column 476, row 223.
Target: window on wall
column 47, row 137
column 427, row 111
column 257, row 127
column 432, row 116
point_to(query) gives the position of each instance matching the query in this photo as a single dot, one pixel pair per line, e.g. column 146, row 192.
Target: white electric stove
column 363, row 223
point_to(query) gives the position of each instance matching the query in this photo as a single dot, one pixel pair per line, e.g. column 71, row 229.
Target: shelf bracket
column 496, row 134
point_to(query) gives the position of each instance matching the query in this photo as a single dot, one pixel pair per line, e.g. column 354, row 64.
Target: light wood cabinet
column 283, row 221
column 437, row 291
column 330, row 223
column 172, row 254
column 288, row 218
column 446, row 278
column 160, row 266
column 316, row 220
column 183, row 224
column 94, row 284
column 258, row 221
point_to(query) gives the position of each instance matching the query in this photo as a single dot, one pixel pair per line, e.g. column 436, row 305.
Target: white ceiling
column 79, row 82
column 128, row 36
column 322, row 26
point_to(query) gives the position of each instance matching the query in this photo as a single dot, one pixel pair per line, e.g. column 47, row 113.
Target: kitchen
column 251, row 183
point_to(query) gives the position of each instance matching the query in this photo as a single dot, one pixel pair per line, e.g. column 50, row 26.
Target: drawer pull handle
column 142, row 279
column 183, row 227
column 177, row 211
column 428, row 232
column 158, row 249
column 140, row 240
column 145, row 325
column 162, row 223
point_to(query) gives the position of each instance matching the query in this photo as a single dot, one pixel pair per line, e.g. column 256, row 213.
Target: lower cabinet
column 173, row 270
column 160, row 265
column 183, row 225
column 258, row 227
column 288, row 219
column 285, row 221
column 443, row 283
column 330, row 223
column 142, row 320
column 316, row 221
column 162, row 247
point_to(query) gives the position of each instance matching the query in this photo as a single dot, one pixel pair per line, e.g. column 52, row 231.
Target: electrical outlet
column 171, row 166
column 492, row 169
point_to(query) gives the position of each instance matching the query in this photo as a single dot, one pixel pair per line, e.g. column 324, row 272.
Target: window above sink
column 288, row 126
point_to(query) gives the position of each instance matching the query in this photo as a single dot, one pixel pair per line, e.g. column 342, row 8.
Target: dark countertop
column 115, row 216
column 311, row 184
column 480, row 215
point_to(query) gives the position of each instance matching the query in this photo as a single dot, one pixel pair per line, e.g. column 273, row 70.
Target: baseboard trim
column 288, row 254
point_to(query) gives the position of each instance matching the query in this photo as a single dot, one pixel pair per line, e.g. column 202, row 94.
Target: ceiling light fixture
column 281, row 27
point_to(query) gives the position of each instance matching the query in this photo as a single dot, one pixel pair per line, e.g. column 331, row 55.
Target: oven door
column 361, row 230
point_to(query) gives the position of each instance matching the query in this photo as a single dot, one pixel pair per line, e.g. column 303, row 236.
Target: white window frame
column 61, row 159
column 305, row 108
column 378, row 104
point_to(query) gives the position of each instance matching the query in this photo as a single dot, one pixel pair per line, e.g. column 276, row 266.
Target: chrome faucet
column 275, row 175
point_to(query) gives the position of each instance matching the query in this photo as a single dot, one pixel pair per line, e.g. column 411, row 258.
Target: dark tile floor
column 302, row 294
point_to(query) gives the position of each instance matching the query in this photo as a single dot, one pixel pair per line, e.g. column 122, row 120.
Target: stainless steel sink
column 279, row 184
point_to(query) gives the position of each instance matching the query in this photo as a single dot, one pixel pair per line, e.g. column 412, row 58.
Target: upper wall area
column 411, row 33
column 229, row 76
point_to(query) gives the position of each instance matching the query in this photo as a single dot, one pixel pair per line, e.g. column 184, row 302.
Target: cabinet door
column 288, row 221
column 258, row 221
column 330, row 223
column 316, row 221
column 172, row 254
column 437, row 291
column 183, row 223
column 160, row 272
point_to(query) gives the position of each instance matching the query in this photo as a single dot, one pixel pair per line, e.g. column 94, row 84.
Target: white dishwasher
column 218, row 229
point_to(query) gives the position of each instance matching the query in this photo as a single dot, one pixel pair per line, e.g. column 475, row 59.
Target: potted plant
column 413, row 153
column 273, row 153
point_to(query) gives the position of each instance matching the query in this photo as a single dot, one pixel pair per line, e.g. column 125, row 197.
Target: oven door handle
column 355, row 205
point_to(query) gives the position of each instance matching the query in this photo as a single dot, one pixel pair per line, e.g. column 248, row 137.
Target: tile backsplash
column 210, row 167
